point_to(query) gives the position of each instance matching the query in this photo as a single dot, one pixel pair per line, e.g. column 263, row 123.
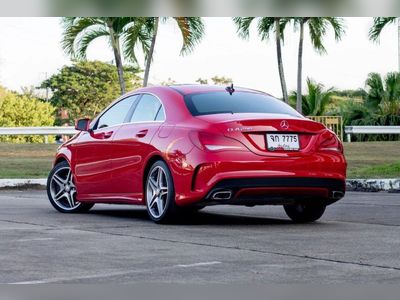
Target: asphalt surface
column 357, row 240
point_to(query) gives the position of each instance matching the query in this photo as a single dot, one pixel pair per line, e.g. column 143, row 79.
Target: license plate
column 288, row 142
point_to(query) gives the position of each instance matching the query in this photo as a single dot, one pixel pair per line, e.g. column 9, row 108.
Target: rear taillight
column 328, row 141
column 215, row 142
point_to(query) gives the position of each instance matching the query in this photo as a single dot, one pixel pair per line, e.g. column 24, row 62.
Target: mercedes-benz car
column 181, row 148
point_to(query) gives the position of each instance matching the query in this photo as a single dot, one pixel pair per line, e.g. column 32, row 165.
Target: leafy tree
column 315, row 103
column 192, row 30
column 267, row 26
column 379, row 24
column 202, row 81
column 20, row 110
column 381, row 105
column 3, row 92
column 221, row 80
column 85, row 88
column 318, row 28
column 121, row 32
column 359, row 93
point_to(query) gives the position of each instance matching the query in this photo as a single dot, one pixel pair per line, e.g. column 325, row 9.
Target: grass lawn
column 373, row 159
column 26, row 160
column 365, row 160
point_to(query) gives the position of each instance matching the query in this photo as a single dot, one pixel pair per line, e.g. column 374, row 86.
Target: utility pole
column 47, row 89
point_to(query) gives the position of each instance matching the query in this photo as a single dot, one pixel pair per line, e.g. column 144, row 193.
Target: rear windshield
column 238, row 102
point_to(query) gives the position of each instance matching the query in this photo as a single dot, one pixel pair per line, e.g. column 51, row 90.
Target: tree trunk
column 151, row 52
column 280, row 63
column 299, row 70
column 398, row 41
column 118, row 59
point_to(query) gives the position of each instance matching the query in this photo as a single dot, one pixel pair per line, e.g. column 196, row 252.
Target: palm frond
column 192, row 29
column 316, row 101
column 375, row 90
column 379, row 24
column 243, row 26
column 136, row 34
column 265, row 27
column 318, row 28
column 73, row 30
column 86, row 39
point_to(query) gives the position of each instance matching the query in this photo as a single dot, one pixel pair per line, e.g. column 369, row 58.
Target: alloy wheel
column 63, row 190
column 157, row 192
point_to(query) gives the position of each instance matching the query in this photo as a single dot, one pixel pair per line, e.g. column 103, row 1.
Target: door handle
column 107, row 134
column 142, row 133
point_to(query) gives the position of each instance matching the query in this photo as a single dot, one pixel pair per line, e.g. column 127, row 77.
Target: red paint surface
column 109, row 164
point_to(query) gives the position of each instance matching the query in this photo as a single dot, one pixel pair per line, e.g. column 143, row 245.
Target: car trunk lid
column 252, row 129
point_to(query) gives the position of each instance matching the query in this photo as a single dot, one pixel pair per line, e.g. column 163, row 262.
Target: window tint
column 147, row 109
column 238, row 102
column 117, row 113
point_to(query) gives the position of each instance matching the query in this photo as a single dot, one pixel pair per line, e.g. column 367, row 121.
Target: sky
column 30, row 50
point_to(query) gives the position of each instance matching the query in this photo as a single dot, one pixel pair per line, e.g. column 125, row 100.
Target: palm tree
column 376, row 30
column 315, row 103
column 80, row 32
column 265, row 26
column 383, row 92
column 318, row 28
column 192, row 30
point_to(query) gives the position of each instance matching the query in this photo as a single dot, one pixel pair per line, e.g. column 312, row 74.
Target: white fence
column 46, row 131
column 349, row 130
column 69, row 130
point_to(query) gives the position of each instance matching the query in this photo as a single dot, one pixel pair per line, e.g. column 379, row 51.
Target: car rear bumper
column 275, row 191
column 260, row 180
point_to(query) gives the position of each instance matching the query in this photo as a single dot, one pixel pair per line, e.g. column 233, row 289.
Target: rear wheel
column 61, row 190
column 304, row 213
column 160, row 193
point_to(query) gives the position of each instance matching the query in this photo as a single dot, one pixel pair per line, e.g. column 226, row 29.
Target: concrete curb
column 374, row 185
column 23, row 183
column 360, row 185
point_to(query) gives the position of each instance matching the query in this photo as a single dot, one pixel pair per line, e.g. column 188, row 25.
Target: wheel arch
column 153, row 158
column 60, row 159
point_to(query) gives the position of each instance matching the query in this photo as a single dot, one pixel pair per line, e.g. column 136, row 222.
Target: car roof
column 186, row 89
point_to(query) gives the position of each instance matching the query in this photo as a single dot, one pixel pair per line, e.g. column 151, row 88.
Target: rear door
column 132, row 145
column 95, row 149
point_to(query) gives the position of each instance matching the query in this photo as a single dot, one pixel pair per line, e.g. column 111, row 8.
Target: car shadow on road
column 195, row 218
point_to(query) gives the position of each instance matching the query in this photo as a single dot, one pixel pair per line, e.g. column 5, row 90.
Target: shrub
column 20, row 110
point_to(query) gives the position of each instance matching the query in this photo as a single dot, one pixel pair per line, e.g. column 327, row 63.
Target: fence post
column 349, row 138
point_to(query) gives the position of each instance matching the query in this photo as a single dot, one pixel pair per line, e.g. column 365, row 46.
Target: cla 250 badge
column 235, row 129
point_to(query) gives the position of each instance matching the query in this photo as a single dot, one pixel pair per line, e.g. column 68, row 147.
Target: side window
column 117, row 113
column 160, row 115
column 147, row 109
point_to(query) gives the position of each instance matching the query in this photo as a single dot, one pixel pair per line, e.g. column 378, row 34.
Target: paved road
column 358, row 240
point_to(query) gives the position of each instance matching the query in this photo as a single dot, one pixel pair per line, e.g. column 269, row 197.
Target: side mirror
column 82, row 124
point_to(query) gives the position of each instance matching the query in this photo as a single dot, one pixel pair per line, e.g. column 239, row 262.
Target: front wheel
column 160, row 193
column 305, row 213
column 61, row 190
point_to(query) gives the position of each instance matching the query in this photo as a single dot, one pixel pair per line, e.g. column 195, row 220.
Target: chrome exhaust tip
column 222, row 195
column 337, row 194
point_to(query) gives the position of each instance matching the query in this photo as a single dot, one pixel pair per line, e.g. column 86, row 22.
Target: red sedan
column 181, row 148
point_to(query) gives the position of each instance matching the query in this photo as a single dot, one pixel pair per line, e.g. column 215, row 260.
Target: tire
column 305, row 213
column 61, row 190
column 159, row 194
